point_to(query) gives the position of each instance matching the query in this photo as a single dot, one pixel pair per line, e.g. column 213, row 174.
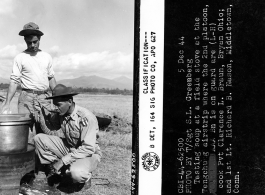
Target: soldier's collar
column 73, row 114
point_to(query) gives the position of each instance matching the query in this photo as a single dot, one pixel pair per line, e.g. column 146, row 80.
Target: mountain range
column 98, row 82
column 94, row 81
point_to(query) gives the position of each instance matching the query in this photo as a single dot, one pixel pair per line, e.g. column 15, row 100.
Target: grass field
column 113, row 173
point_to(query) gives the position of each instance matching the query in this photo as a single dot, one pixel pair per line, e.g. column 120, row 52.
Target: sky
column 84, row 37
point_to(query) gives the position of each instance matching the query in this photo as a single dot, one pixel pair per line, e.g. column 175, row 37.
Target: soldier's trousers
column 28, row 103
column 50, row 148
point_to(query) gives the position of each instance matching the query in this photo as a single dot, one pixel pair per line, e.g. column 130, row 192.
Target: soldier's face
column 33, row 43
column 62, row 106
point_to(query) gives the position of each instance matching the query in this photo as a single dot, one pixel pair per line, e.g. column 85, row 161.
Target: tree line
column 103, row 90
column 4, row 86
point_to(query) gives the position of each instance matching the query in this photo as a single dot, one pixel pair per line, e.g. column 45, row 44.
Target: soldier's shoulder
column 85, row 113
column 20, row 56
column 43, row 53
column 82, row 112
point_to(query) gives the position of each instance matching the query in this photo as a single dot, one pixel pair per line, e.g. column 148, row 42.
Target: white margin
column 151, row 20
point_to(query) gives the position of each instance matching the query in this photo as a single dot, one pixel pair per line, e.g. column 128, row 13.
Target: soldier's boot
column 52, row 176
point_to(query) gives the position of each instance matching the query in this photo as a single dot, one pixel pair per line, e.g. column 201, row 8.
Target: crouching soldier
column 69, row 139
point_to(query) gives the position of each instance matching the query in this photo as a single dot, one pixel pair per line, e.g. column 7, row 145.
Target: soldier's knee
column 79, row 175
column 39, row 138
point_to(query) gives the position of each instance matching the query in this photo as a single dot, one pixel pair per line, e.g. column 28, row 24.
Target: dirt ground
column 113, row 173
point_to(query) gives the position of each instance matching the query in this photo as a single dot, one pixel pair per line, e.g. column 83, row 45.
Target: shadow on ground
column 61, row 185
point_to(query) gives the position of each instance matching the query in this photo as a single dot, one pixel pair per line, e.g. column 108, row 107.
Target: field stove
column 17, row 157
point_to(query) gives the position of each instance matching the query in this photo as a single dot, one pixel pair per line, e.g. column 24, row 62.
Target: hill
column 123, row 79
column 98, row 82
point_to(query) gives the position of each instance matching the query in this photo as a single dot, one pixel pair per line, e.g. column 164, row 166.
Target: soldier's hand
column 58, row 165
column 36, row 104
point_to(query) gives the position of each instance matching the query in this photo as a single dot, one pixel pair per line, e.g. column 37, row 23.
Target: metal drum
column 14, row 131
column 13, row 167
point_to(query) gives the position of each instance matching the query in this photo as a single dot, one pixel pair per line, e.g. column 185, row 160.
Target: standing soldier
column 33, row 70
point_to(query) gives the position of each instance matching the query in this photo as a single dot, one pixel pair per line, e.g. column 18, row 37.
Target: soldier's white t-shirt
column 32, row 71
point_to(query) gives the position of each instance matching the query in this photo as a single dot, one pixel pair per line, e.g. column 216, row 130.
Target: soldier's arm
column 52, row 83
column 10, row 94
column 50, row 125
column 14, row 82
column 89, row 129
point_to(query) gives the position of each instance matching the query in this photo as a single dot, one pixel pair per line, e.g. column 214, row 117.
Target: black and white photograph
column 66, row 96
column 132, row 97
